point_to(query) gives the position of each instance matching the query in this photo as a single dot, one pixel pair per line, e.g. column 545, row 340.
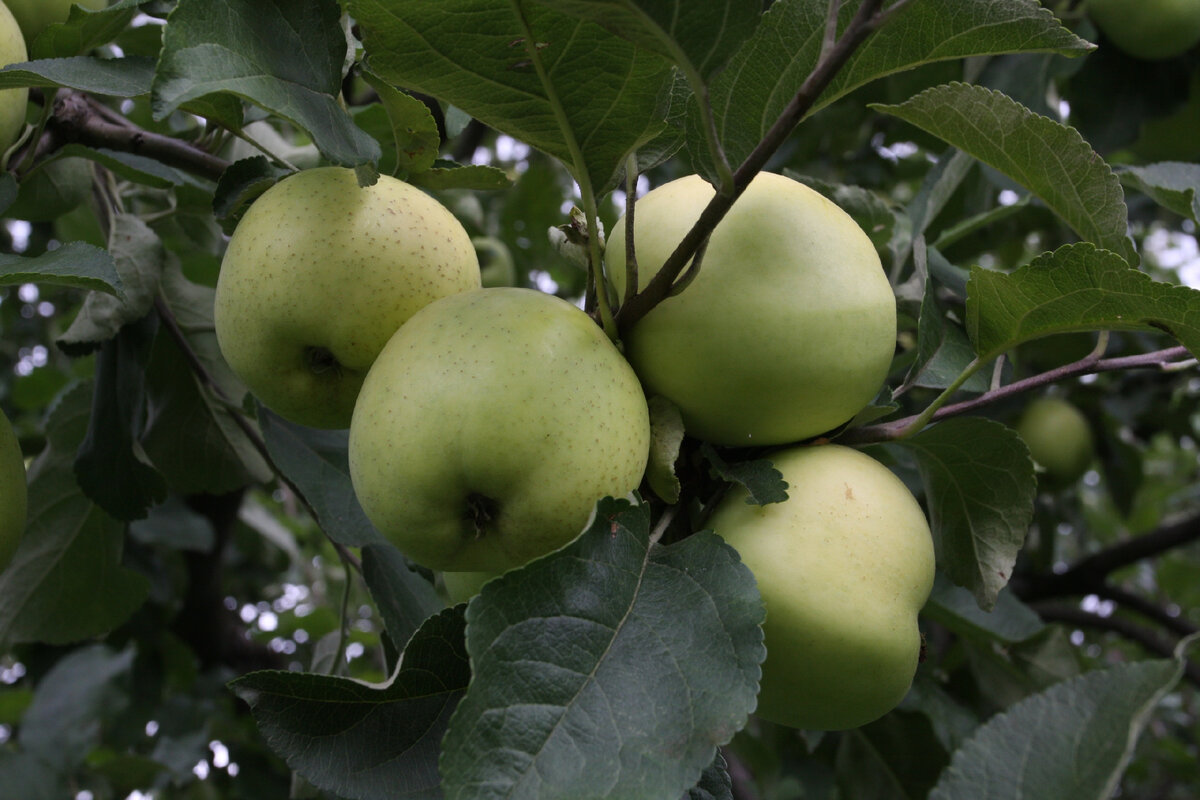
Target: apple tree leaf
column 1008, row 622
column 404, row 598
column 316, row 461
column 83, row 30
column 415, row 135
column 563, row 85
column 445, row 175
column 714, row 784
column 1172, row 184
column 1071, row 740
column 76, row 264
column 979, row 488
column 364, row 741
column 1075, row 288
column 71, row 547
column 610, row 668
column 767, row 71
column 240, row 185
column 1050, row 159
column 944, row 350
column 137, row 168
column 285, row 56
column 764, row 484
column 114, row 77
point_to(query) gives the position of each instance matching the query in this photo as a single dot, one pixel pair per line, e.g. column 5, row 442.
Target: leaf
column 714, row 782
column 137, row 168
column 602, row 97
column 764, row 483
column 316, row 461
column 139, row 256
column 1075, row 288
column 943, row 349
column 240, row 185
column 697, row 37
column 362, row 741
column 414, row 131
column 114, row 77
column 1173, row 185
column 404, row 598
column 611, row 668
column 76, row 264
column 285, row 56
column 448, row 175
column 980, row 487
column 1009, row 621
column 1072, row 740
column 66, row 582
column 666, row 436
column 84, row 30
column 767, row 71
column 1050, row 159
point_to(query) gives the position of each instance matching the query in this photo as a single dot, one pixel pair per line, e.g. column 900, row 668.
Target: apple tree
column 980, row 227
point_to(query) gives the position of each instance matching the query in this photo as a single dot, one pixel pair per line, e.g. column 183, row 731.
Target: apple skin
column 1059, row 439
column 789, row 328
column 13, row 492
column 1148, row 29
column 490, row 425
column 12, row 101
column 460, row 587
column 34, row 15
column 843, row 565
column 317, row 277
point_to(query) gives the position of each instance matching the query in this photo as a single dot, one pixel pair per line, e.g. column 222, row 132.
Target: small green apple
column 490, row 425
column 12, row 101
column 13, row 492
column 460, row 587
column 1148, row 29
column 789, row 328
column 317, row 277
column 34, row 15
column 843, row 565
column 1059, row 439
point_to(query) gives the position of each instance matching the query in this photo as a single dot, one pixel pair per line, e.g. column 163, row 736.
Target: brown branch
column 865, row 22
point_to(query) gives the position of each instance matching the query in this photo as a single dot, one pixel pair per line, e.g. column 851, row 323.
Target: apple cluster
column 485, row 423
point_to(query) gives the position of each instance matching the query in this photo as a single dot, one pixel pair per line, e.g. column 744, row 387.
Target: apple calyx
column 481, row 511
column 321, row 360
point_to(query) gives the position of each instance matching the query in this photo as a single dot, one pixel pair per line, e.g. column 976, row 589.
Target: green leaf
column 601, row 98
column 50, row 591
column 115, row 77
column 980, row 487
column 84, row 30
column 611, row 668
column 666, row 436
column 764, row 483
column 404, row 598
column 137, row 168
column 240, row 185
column 943, row 349
column 768, row 70
column 1009, row 620
column 1075, row 288
column 76, row 264
column 139, row 256
column 363, row 741
column 414, row 131
column 697, row 37
column 714, row 784
column 285, row 56
column 1173, row 185
column 316, row 461
column 1072, row 740
column 1050, row 159
column 448, row 175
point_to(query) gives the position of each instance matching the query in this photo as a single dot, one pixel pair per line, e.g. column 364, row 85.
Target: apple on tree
column 12, row 101
column 1148, row 29
column 489, row 427
column 843, row 566
column 13, row 492
column 319, row 274
column 1059, row 439
column 787, row 331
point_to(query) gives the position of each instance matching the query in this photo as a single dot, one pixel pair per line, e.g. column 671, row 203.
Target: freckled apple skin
column 13, row 492
column 490, row 425
column 843, row 565
column 12, row 101
column 789, row 328
column 34, row 15
column 319, row 269
column 1148, row 29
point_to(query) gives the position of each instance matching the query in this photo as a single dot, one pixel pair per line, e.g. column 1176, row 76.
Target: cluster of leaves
column 626, row 664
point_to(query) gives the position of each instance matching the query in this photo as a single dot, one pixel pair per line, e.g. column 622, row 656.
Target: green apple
column 1059, row 439
column 789, row 328
column 317, row 277
column 34, row 15
column 490, row 425
column 460, row 587
column 12, row 101
column 843, row 565
column 13, row 492
column 1148, row 29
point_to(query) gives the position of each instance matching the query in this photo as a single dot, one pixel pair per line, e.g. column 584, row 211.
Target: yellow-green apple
column 1148, row 29
column 13, row 492
column 789, row 328
column 490, row 425
column 34, row 15
column 12, row 101
column 843, row 565
column 1059, row 439
column 319, row 274
column 460, row 587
